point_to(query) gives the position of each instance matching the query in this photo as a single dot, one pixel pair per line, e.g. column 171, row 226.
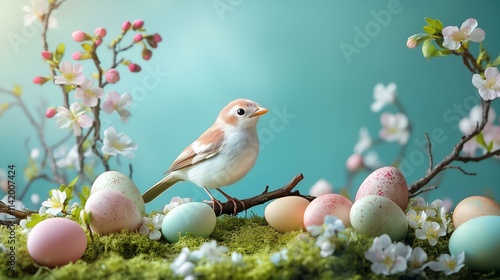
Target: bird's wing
column 207, row 146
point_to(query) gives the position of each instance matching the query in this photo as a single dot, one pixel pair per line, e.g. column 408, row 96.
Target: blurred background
column 314, row 64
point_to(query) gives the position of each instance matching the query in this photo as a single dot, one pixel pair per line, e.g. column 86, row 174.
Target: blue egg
column 194, row 218
column 479, row 238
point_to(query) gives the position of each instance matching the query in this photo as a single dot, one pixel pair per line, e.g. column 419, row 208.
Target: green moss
column 128, row 255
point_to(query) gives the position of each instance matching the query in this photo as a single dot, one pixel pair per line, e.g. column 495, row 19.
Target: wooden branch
column 18, row 214
column 479, row 158
column 459, row 168
column 265, row 196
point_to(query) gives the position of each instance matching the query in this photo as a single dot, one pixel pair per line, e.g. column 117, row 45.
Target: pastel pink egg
column 328, row 204
column 388, row 182
column 56, row 242
column 111, row 211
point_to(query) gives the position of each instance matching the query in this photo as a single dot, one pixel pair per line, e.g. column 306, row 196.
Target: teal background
column 285, row 55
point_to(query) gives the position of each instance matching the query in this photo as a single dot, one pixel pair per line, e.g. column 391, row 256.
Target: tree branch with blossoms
column 82, row 102
column 479, row 130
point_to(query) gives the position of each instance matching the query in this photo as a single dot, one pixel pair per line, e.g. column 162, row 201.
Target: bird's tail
column 159, row 187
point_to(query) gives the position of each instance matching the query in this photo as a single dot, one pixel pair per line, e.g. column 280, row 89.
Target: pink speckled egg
column 111, row 211
column 328, row 204
column 56, row 242
column 374, row 215
column 473, row 207
column 117, row 181
column 388, row 182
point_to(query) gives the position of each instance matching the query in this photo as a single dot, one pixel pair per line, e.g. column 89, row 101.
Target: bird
column 221, row 156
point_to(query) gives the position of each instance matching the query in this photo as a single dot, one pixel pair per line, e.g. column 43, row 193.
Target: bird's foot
column 234, row 201
column 215, row 202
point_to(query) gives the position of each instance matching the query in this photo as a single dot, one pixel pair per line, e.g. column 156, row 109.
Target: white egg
column 193, row 218
column 117, row 181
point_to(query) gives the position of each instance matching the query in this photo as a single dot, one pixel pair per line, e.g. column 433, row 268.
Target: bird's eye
column 240, row 112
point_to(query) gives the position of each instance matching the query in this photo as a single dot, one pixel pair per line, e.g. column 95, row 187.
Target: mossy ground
column 129, row 255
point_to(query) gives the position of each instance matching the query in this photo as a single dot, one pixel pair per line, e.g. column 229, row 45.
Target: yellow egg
column 473, row 207
column 286, row 213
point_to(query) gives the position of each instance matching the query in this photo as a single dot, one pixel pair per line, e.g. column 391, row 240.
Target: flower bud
column 100, row 32
column 411, row 43
column 134, row 67
column 137, row 38
column 97, row 42
column 157, row 38
column 355, row 162
column 112, row 76
column 126, row 25
column 138, row 23
column 47, row 55
column 51, row 112
column 38, row 80
column 77, row 55
column 80, row 36
column 146, row 54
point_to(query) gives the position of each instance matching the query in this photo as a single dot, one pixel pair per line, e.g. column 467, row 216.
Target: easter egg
column 321, row 187
column 56, row 242
column 374, row 215
column 117, row 181
column 192, row 218
column 328, row 204
column 479, row 239
column 286, row 213
column 473, row 207
column 111, row 211
column 388, row 182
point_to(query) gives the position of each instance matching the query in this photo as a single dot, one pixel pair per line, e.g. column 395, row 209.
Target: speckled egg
column 374, row 215
column 328, row 204
column 193, row 218
column 473, row 207
column 479, row 239
column 111, row 211
column 286, row 213
column 56, row 242
column 388, row 182
column 117, row 181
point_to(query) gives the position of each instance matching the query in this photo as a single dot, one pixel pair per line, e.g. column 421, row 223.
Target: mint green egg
column 193, row 218
column 479, row 238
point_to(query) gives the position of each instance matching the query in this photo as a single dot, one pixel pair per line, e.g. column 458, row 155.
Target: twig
column 19, row 214
column 265, row 196
column 479, row 158
column 429, row 152
column 459, row 168
column 424, row 190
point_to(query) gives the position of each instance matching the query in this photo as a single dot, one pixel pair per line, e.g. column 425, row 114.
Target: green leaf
column 73, row 182
column 435, row 23
column 490, row 146
column 496, row 62
column 84, row 195
column 59, row 53
column 87, row 47
column 480, row 140
column 443, row 52
column 35, row 219
column 429, row 30
column 428, row 49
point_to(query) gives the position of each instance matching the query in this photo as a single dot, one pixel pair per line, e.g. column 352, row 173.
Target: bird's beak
column 260, row 111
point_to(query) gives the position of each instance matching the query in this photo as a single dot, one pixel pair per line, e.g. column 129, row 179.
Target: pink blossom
column 100, row 32
column 157, row 38
column 454, row 37
column 71, row 75
column 97, row 42
column 112, row 76
column 114, row 102
column 355, row 162
column 47, row 55
column 411, row 43
column 38, row 80
column 51, row 112
column 80, row 36
column 489, row 87
column 138, row 23
column 88, row 93
column 126, row 25
column 146, row 54
column 134, row 67
column 74, row 117
column 137, row 38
